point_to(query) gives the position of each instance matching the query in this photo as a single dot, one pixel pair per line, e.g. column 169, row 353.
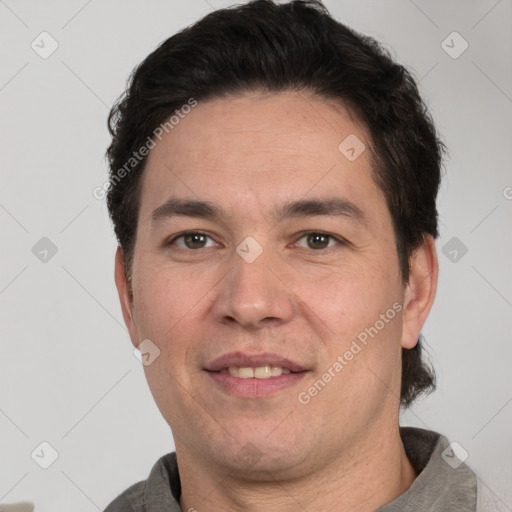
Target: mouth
column 260, row 372
column 258, row 375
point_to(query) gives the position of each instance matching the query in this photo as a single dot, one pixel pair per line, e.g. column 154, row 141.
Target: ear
column 125, row 296
column 420, row 291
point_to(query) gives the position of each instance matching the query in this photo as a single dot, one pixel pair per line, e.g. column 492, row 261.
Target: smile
column 260, row 372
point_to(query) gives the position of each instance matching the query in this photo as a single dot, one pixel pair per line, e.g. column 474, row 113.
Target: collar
column 437, row 488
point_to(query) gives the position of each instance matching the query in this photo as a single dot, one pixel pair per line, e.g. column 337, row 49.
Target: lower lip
column 255, row 387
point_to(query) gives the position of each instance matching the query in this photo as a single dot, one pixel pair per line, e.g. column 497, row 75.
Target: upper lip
column 253, row 360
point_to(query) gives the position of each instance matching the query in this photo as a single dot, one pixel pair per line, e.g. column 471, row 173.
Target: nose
column 254, row 294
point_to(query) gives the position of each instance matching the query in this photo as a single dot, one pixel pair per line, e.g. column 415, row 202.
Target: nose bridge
column 252, row 293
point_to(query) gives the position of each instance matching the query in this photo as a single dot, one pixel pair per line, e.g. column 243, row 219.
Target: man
column 273, row 186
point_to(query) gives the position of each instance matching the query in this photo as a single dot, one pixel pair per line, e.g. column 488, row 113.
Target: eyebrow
column 331, row 206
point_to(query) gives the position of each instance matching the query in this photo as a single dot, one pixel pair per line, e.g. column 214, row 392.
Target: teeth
column 261, row 372
column 245, row 373
column 275, row 371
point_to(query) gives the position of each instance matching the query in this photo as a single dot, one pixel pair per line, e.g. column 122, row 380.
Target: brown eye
column 192, row 240
column 316, row 240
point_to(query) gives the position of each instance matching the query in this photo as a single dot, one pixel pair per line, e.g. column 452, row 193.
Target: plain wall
column 68, row 375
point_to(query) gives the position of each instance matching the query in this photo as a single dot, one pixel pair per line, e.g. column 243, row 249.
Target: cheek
column 166, row 309
column 363, row 313
column 164, row 298
column 352, row 300
column 170, row 309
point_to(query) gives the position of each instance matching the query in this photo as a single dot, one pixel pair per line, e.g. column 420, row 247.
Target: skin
column 303, row 300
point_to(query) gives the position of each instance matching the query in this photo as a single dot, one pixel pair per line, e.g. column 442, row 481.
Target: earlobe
column 420, row 291
column 125, row 295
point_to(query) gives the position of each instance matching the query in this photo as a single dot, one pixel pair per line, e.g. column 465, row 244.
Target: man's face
column 252, row 289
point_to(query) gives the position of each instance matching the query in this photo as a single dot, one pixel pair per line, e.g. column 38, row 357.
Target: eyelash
column 340, row 241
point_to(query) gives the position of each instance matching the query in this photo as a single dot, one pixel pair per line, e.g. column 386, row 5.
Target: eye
column 192, row 240
column 318, row 240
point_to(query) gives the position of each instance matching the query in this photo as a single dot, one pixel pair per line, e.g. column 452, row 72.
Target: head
column 263, row 122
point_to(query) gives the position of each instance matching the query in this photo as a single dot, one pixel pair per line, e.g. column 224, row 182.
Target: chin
column 253, row 454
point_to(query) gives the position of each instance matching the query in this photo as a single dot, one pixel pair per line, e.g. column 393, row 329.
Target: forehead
column 255, row 149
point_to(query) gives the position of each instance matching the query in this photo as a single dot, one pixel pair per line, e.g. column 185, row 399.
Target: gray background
column 68, row 375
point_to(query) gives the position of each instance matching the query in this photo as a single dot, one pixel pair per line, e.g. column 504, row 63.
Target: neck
column 360, row 481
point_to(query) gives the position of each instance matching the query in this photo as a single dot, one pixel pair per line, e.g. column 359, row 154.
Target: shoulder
column 159, row 492
column 488, row 500
column 130, row 500
column 443, row 482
